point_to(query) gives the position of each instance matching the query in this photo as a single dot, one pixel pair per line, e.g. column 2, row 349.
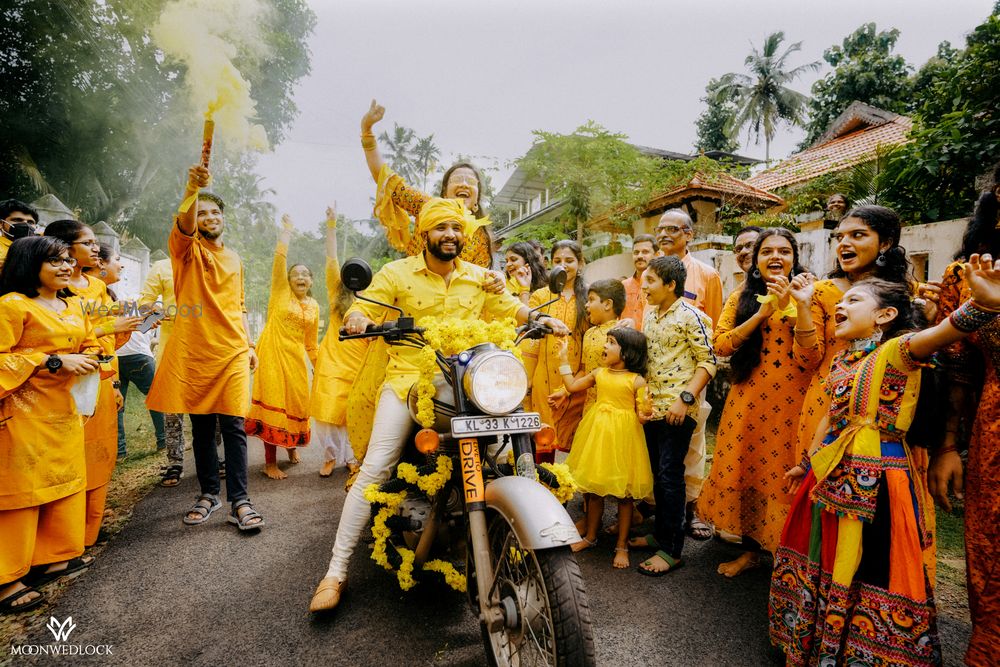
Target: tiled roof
column 836, row 155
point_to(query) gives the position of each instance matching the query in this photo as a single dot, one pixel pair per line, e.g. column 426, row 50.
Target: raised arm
column 187, row 214
column 372, row 156
column 279, row 266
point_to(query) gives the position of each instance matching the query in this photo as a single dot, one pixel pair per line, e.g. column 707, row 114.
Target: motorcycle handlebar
column 390, row 327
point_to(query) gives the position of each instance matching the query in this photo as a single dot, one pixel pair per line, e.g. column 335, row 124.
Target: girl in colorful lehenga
column 849, row 584
column 279, row 407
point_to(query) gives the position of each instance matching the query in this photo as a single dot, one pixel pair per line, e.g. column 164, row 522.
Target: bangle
column 565, row 369
column 970, row 317
column 804, row 331
column 986, row 308
column 252, row 345
column 945, row 450
column 368, row 141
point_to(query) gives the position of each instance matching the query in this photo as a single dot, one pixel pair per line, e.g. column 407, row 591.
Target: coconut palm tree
column 763, row 99
column 425, row 158
column 399, row 151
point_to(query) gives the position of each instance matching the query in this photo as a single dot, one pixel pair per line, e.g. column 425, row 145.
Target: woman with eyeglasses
column 46, row 343
column 100, row 430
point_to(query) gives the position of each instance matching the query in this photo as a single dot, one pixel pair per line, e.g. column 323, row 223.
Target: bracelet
column 804, row 331
column 368, row 141
column 565, row 369
column 116, row 384
column 945, row 450
column 982, row 307
column 970, row 317
column 253, row 346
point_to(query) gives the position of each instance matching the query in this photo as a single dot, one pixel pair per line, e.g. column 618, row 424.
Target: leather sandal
column 327, row 595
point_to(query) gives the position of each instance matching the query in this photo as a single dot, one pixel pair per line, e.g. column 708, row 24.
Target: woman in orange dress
column 336, row 368
column 979, row 352
column 46, row 343
column 549, row 397
column 279, row 404
column 100, row 430
column 762, row 329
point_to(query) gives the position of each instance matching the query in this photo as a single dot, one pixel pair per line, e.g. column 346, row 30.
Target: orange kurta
column 545, row 377
column 206, row 363
column 744, row 493
column 42, row 461
column 279, row 406
column 982, row 479
column 338, row 364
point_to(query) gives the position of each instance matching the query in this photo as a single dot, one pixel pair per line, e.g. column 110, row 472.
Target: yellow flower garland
column 451, row 337
column 567, row 485
column 431, row 484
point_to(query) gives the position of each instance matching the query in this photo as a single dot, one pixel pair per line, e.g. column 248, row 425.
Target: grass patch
column 133, row 479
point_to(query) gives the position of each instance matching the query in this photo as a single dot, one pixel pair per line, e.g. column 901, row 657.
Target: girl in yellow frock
column 609, row 456
column 279, row 406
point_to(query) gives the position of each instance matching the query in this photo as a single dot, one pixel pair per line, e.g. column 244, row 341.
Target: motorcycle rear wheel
column 545, row 602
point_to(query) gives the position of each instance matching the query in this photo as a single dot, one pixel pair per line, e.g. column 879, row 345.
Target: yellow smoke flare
column 206, row 35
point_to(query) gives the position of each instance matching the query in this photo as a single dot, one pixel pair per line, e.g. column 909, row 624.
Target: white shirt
column 139, row 343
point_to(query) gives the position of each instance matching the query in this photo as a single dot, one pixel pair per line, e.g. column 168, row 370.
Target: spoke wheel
column 544, row 603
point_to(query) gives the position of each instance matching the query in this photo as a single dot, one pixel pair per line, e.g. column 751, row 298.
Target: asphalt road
column 166, row 594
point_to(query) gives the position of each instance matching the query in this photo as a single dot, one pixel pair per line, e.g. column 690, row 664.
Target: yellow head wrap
column 438, row 210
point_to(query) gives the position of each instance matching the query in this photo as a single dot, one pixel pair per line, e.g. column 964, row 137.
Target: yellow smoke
column 206, row 35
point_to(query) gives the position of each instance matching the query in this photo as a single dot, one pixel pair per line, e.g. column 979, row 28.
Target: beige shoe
column 327, row 595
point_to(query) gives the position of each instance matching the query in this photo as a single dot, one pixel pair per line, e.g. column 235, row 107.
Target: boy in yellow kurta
column 280, row 401
column 43, row 470
column 206, row 365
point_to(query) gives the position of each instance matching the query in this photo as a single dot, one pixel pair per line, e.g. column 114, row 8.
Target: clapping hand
column 982, row 275
column 802, row 287
column 494, row 282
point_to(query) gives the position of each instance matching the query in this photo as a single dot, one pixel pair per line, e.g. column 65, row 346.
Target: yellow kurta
column 338, row 364
column 41, row 434
column 205, row 368
column 279, row 407
column 546, row 379
column 159, row 288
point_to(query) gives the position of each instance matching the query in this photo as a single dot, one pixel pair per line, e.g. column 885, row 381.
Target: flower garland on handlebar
column 451, row 337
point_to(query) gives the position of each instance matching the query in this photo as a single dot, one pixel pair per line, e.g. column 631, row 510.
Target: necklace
column 867, row 344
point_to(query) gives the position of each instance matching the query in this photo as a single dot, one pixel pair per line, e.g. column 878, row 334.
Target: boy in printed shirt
column 681, row 364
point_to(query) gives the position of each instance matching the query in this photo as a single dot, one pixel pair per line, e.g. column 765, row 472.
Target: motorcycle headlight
column 496, row 382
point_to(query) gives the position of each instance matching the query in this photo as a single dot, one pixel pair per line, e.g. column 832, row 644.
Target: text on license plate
column 524, row 422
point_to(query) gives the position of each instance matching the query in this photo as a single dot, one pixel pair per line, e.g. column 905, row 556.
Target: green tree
column 864, row 69
column 425, row 158
column 763, row 99
column 956, row 134
column 592, row 170
column 398, row 149
column 713, row 121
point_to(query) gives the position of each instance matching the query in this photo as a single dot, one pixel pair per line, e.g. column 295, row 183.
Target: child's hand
column 644, row 416
column 557, row 399
column 625, row 323
column 563, row 351
column 983, row 278
column 677, row 412
column 793, row 479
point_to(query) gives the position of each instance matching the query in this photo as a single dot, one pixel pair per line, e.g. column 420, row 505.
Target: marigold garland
column 566, row 488
column 451, row 336
column 431, row 484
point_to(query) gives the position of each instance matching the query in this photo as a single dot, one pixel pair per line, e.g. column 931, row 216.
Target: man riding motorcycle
column 435, row 283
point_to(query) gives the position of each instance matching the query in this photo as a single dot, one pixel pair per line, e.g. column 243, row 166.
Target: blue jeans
column 139, row 370
column 668, row 445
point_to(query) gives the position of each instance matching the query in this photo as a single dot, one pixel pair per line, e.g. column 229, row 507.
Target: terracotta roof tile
column 836, row 155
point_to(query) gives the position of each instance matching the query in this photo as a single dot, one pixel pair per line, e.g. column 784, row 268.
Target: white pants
column 334, row 442
column 694, row 462
column 392, row 426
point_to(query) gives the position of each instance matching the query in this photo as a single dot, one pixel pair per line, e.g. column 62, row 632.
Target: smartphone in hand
column 150, row 320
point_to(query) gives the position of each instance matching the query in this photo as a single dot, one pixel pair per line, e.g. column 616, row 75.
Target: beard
column 443, row 255
column 210, row 235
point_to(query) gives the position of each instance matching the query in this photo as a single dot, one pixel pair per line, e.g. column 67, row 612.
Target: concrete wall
column 929, row 246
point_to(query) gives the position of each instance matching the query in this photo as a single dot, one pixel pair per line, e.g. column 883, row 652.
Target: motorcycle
column 510, row 531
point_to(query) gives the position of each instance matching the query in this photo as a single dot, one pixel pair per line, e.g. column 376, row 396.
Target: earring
column 881, row 260
column 104, row 274
column 756, row 273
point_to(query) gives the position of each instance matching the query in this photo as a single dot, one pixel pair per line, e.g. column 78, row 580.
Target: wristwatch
column 116, row 384
column 687, row 398
column 53, row 363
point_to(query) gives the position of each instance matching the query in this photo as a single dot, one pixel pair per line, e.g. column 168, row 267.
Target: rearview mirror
column 557, row 280
column 356, row 275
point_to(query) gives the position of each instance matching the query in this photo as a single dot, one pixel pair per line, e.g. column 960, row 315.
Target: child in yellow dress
column 609, row 456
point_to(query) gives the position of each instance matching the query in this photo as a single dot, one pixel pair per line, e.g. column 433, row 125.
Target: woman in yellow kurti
column 336, row 368
column 279, row 406
column 395, row 204
column 101, row 429
column 762, row 327
column 45, row 343
column 562, row 411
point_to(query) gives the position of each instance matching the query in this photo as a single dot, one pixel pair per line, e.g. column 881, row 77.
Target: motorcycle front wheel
column 544, row 602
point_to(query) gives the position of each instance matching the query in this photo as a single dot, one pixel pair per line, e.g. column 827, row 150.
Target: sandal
column 7, row 605
column 171, row 475
column 245, row 521
column 644, row 542
column 73, row 566
column 699, row 530
column 673, row 563
column 203, row 507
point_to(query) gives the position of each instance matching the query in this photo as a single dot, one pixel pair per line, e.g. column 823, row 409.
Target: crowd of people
column 813, row 467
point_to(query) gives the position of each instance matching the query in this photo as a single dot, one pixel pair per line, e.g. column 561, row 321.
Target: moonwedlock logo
column 61, row 632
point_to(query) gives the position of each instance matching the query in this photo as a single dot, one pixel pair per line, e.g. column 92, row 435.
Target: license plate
column 522, row 422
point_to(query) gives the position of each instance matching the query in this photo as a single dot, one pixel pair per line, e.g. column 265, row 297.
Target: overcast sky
column 481, row 76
